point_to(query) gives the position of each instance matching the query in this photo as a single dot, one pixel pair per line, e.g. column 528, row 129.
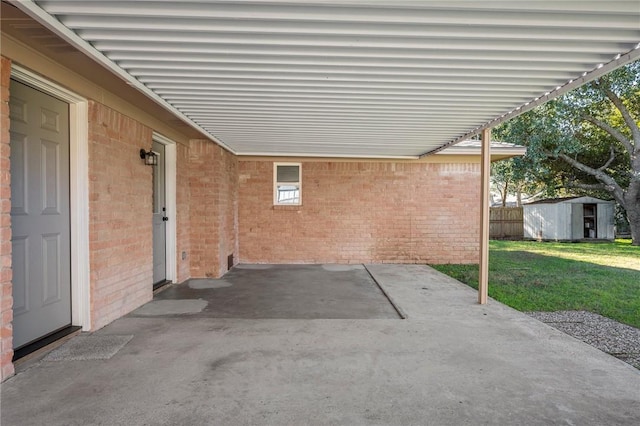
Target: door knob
column 164, row 219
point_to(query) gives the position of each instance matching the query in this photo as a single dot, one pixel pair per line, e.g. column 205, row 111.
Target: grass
column 531, row 276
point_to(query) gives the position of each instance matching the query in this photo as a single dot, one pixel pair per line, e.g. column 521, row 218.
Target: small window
column 287, row 179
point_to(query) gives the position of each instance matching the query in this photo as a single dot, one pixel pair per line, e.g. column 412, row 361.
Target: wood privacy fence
column 505, row 223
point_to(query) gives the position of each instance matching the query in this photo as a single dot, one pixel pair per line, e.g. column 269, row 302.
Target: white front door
column 159, row 216
column 40, row 216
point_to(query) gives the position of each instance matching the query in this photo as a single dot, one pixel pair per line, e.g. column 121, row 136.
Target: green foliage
column 531, row 276
column 561, row 126
column 518, row 174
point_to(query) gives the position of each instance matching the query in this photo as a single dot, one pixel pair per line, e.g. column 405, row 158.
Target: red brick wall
column 183, row 196
column 228, row 212
column 6, row 299
column 213, row 184
column 120, row 215
column 356, row 212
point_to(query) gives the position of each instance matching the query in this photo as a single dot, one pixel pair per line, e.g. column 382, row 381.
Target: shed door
column 40, row 224
column 605, row 221
column 577, row 222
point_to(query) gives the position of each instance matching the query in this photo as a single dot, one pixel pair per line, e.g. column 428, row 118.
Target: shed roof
column 473, row 147
column 584, row 199
column 347, row 77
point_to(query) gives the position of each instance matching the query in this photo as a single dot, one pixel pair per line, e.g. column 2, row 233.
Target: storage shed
column 569, row 219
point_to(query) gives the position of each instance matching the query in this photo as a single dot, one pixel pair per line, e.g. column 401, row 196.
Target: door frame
column 170, row 171
column 78, row 190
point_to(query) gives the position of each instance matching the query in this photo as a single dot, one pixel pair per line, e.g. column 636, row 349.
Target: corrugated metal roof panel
column 361, row 78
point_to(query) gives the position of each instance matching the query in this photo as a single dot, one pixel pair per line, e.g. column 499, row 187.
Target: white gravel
column 612, row 337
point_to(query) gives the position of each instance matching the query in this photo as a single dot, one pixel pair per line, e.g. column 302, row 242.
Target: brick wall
column 228, row 211
column 183, row 196
column 356, row 212
column 213, row 184
column 120, row 215
column 6, row 299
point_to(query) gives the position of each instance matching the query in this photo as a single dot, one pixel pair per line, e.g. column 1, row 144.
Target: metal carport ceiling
column 348, row 78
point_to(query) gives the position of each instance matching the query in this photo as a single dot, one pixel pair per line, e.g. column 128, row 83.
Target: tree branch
column 594, row 186
column 626, row 115
column 608, row 182
column 598, row 174
column 597, row 187
column 612, row 131
column 612, row 157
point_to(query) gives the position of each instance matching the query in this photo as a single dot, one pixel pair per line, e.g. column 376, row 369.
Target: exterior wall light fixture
column 150, row 158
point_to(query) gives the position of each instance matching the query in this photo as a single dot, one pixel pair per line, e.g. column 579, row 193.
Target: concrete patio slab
column 452, row 362
column 286, row 292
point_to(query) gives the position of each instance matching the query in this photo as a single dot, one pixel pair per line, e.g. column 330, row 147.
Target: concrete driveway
column 450, row 362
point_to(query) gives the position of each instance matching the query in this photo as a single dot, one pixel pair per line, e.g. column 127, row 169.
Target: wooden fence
column 505, row 223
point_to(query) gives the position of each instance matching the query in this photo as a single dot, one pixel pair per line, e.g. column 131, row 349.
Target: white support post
column 485, row 172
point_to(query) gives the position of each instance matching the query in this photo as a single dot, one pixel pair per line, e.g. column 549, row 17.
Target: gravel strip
column 612, row 337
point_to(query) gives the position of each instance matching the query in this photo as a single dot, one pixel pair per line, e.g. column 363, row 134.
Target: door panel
column 51, row 285
column 577, row 222
column 606, row 213
column 40, row 217
column 19, row 250
column 18, row 173
column 159, row 216
column 50, row 175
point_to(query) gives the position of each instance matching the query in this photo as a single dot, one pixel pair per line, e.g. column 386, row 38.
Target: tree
column 502, row 178
column 508, row 177
column 587, row 141
column 520, row 175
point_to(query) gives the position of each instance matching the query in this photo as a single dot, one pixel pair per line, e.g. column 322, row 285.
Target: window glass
column 287, row 183
column 288, row 194
column 288, row 173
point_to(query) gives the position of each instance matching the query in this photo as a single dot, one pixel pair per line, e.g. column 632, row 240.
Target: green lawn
column 531, row 276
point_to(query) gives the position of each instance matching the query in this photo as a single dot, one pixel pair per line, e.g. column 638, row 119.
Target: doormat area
column 208, row 284
column 83, row 348
column 171, row 307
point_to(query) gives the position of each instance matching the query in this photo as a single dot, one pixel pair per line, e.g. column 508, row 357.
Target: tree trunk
column 633, row 216
column 632, row 207
column 505, row 191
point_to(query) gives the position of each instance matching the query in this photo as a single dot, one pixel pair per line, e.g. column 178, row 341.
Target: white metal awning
column 348, row 78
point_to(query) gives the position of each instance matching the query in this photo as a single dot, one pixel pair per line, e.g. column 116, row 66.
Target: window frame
column 298, row 184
